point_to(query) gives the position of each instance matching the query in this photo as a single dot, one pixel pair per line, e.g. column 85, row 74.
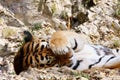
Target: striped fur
column 33, row 53
column 64, row 48
column 85, row 56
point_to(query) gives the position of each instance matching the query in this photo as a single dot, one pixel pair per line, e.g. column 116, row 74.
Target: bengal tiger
column 64, row 48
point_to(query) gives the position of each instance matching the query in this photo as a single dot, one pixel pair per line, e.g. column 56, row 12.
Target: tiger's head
column 33, row 53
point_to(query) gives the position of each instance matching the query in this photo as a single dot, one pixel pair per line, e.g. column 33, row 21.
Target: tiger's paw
column 60, row 45
column 62, row 41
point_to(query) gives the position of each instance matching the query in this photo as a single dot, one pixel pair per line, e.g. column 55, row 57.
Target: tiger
column 63, row 48
column 83, row 55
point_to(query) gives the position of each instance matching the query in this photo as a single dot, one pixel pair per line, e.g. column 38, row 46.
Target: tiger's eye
column 43, row 40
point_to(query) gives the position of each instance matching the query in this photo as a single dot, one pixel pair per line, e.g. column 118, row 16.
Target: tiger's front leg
column 62, row 41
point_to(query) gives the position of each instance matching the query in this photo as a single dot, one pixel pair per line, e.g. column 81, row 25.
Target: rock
column 89, row 3
column 59, row 24
column 7, row 17
column 55, row 7
column 82, row 78
column 78, row 19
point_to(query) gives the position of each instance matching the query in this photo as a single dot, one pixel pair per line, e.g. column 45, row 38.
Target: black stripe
column 90, row 66
column 26, row 60
column 27, row 49
column 77, row 64
column 106, row 50
column 70, row 65
column 46, row 57
column 52, row 64
column 97, row 51
column 75, row 44
column 30, row 59
column 42, row 58
column 117, row 50
column 110, row 58
column 37, row 46
column 36, row 58
column 42, row 47
column 32, row 46
column 35, row 52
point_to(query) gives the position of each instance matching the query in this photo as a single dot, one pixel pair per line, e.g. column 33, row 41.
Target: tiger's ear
column 18, row 62
column 27, row 36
